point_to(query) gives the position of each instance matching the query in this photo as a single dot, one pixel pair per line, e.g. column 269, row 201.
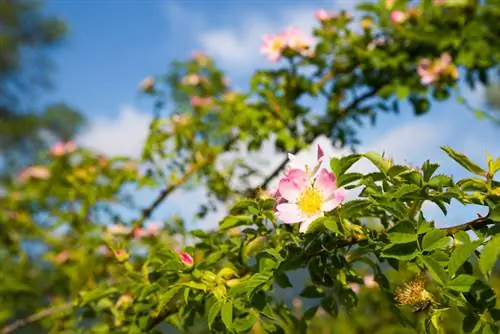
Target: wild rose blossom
column 430, row 71
column 147, row 84
column 200, row 58
column 34, row 172
column 185, row 258
column 118, row 229
column 308, row 193
column 198, row 101
column 273, row 46
column 62, row 148
column 191, row 80
column 62, row 257
column 151, row 230
column 323, row 15
column 369, row 281
column 355, row 287
column 398, row 16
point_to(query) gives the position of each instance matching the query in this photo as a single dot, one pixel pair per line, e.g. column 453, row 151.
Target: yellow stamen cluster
column 310, row 200
column 413, row 293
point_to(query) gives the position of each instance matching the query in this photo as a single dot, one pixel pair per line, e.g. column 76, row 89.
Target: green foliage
column 371, row 264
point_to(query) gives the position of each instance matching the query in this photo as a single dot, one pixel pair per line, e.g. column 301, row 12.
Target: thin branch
column 148, row 211
column 36, row 317
column 474, row 224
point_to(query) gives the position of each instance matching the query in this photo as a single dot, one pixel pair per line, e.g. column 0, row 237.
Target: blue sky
column 112, row 45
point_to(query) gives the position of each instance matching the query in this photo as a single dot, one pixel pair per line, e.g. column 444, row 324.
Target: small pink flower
column 62, row 148
column 369, row 281
column 62, row 257
column 439, row 2
column 139, row 233
column 308, row 194
column 198, row 101
column 323, row 15
column 34, row 172
column 355, row 287
column 201, row 58
column 118, row 229
column 398, row 16
column 185, row 258
column 147, row 84
column 426, row 72
column 295, row 40
column 272, row 47
column 191, row 80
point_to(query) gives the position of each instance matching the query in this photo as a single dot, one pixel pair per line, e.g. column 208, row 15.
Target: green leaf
column 331, row 224
column 242, row 325
column 227, row 314
column 403, row 252
column 312, row 291
column 464, row 161
column 406, row 189
column 435, row 239
column 282, row 280
column 212, row 314
column 233, row 221
column 437, row 272
column 440, row 181
column 90, row 296
column 460, row 255
column 195, row 285
column 495, row 213
column 340, row 166
column 401, row 238
column 462, row 236
column 382, row 164
column 462, row 283
column 489, row 255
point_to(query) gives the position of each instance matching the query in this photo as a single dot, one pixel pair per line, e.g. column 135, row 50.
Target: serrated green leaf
column 464, row 161
column 441, row 181
column 435, row 239
column 460, row 255
column 233, row 221
column 403, row 252
column 341, row 165
column 405, row 189
column 401, row 238
column 227, row 314
column 437, row 272
column 489, row 255
column 195, row 285
column 495, row 213
column 379, row 162
column 213, row 313
column 396, row 170
column 242, row 325
column 462, row 283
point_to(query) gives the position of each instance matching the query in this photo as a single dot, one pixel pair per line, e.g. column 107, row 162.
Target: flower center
column 310, row 200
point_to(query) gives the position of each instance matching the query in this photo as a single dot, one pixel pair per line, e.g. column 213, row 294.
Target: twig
column 36, row 317
column 450, row 231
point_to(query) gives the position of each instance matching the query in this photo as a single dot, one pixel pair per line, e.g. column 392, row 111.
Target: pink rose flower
column 62, row 257
column 308, row 194
column 398, row 16
column 34, row 172
column 323, row 15
column 272, row 47
column 369, row 281
column 62, row 148
column 118, row 229
column 191, row 80
column 198, row 101
column 355, row 287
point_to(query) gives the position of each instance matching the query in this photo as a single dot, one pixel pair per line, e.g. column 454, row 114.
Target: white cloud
column 123, row 134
